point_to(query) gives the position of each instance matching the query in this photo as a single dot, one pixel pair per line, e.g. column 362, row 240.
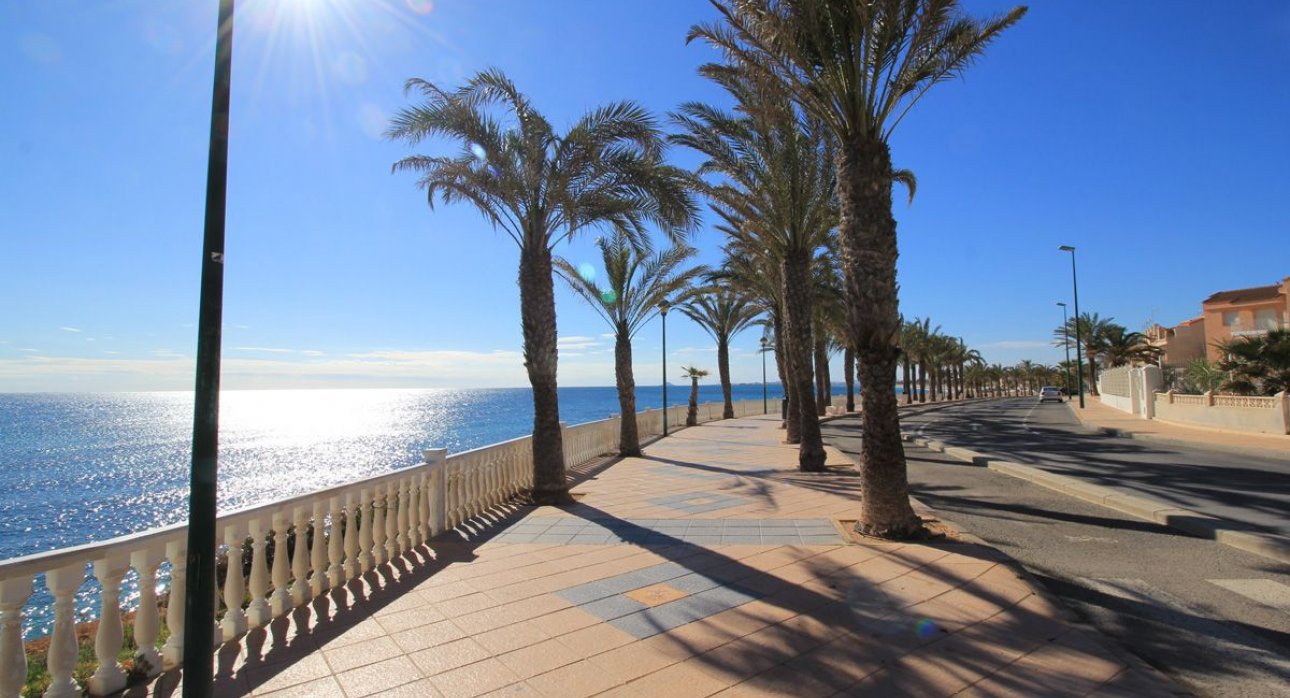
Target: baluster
column 335, row 557
column 172, row 653
column 234, row 623
column 405, row 503
column 13, row 656
column 318, row 582
column 352, row 517
column 63, row 584
column 391, row 521
column 280, row 602
column 416, row 515
column 378, row 525
column 146, row 618
column 300, row 559
column 367, row 507
column 258, row 612
column 110, row 676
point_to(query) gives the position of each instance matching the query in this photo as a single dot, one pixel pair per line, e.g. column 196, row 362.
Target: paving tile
column 448, row 656
column 575, row 680
column 374, row 678
column 419, row 638
column 325, row 687
column 361, row 653
column 279, row 676
column 474, row 679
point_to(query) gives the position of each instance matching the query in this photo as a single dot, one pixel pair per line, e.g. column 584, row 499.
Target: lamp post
column 1079, row 360
column 199, row 601
column 662, row 310
column 1066, row 337
column 765, row 405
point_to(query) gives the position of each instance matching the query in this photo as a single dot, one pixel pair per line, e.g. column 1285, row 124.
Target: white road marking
column 1025, row 423
column 1264, row 591
column 1090, row 539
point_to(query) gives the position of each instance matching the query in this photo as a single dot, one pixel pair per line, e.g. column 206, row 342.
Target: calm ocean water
column 78, row 468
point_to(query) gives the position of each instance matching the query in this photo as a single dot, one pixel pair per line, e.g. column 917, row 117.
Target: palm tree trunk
column 922, row 381
column 537, row 316
column 849, row 375
column 692, row 414
column 723, row 370
column 797, row 321
column 868, row 237
column 822, row 393
column 909, row 395
column 792, row 427
column 629, row 443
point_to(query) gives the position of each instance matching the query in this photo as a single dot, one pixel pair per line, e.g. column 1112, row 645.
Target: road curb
column 1185, row 520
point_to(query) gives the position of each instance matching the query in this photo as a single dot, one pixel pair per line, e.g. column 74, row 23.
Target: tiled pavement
column 708, row 567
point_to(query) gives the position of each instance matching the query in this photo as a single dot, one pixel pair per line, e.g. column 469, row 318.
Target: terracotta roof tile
column 1245, row 295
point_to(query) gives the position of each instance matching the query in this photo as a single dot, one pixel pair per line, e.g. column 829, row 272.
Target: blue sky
column 1150, row 135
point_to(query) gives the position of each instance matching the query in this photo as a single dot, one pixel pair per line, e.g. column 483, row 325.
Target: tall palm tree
column 1091, row 329
column 723, row 313
column 541, row 187
column 694, row 374
column 635, row 283
column 859, row 67
column 767, row 173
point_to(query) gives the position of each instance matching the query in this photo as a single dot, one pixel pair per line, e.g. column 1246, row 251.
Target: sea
column 82, row 467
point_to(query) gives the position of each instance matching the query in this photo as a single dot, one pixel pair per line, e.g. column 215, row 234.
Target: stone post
column 1285, row 409
column 437, row 467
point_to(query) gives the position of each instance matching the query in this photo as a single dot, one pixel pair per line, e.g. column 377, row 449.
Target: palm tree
column 694, row 374
column 1201, row 376
column 859, row 67
column 768, row 176
column 635, row 284
column 722, row 313
column 1258, row 365
column 540, row 188
column 1120, row 347
column 1092, row 332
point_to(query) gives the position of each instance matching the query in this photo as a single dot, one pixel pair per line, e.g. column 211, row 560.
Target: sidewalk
column 708, row 567
column 1120, row 423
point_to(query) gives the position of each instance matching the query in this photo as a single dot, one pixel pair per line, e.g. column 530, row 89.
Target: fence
column 1267, row 415
column 318, row 541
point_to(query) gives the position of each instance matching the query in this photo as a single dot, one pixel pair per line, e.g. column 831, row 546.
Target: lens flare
column 587, row 272
column 421, row 7
column 608, row 296
column 350, row 68
column 926, row 628
column 478, row 151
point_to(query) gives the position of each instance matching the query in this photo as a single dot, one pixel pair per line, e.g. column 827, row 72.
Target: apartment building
column 1244, row 312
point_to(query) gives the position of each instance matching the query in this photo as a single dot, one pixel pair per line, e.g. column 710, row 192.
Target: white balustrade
column 339, row 532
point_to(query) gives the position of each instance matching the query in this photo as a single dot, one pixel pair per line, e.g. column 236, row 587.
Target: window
column 1231, row 318
column 1265, row 319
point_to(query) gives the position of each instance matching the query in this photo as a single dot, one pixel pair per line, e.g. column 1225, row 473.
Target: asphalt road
column 1247, row 489
column 1214, row 618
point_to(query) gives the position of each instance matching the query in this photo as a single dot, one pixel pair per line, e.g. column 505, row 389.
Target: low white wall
column 1271, row 418
column 1123, row 403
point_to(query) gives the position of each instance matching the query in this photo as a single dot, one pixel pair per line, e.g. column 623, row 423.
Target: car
column 1049, row 392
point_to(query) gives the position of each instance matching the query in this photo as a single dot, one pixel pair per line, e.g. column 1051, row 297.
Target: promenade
column 708, row 567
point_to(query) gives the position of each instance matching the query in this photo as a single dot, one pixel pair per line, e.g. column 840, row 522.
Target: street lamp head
column 1061, row 304
column 764, row 342
column 1066, row 248
column 663, row 306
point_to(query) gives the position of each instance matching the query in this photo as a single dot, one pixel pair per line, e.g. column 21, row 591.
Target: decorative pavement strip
column 575, row 531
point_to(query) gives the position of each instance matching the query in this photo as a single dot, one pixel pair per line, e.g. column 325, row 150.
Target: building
column 1182, row 344
column 1244, row 312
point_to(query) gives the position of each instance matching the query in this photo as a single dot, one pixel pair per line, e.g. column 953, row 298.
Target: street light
column 1066, row 337
column 1079, row 360
column 199, row 599
column 663, row 306
column 765, row 405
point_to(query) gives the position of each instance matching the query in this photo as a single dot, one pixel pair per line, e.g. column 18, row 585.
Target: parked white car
column 1048, row 392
